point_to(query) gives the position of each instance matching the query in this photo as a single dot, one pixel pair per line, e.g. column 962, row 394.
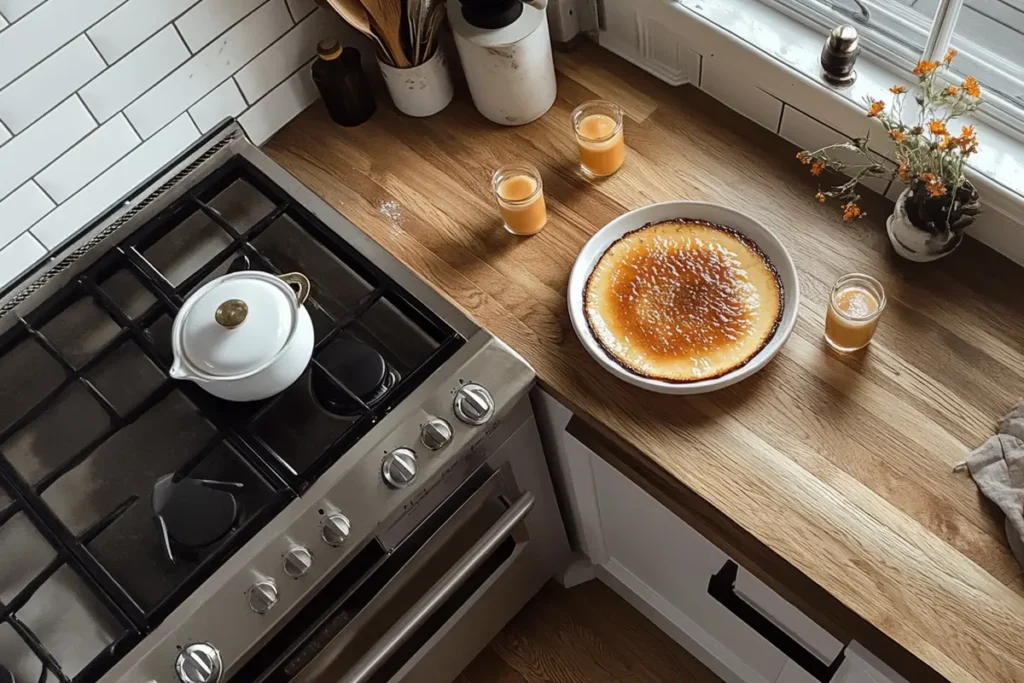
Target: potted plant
column 939, row 202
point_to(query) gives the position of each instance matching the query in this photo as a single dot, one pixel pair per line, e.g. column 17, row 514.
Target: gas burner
column 360, row 368
column 193, row 514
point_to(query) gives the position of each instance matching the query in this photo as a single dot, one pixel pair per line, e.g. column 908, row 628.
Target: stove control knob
column 335, row 529
column 473, row 405
column 262, row 596
column 436, row 433
column 297, row 562
column 399, row 468
column 199, row 663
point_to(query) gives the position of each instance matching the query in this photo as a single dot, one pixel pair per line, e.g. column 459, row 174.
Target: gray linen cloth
column 998, row 469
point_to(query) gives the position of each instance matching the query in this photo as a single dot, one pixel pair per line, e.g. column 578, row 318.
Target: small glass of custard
column 519, row 192
column 598, row 128
column 854, row 307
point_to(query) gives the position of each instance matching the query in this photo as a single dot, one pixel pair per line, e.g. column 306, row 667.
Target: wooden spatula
column 386, row 19
column 355, row 14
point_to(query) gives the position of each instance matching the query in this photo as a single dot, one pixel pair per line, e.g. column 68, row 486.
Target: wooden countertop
column 827, row 471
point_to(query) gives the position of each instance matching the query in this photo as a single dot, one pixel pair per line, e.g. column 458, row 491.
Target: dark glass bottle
column 338, row 74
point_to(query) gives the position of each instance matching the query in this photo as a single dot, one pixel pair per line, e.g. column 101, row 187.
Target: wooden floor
column 586, row 634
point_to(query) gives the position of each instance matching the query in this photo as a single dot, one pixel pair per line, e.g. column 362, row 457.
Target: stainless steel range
column 380, row 520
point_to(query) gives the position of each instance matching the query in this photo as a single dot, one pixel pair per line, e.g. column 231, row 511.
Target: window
column 988, row 34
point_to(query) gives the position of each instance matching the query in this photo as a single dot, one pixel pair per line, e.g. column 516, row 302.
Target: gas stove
column 148, row 528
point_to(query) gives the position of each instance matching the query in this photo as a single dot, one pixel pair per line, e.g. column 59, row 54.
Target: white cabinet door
column 668, row 564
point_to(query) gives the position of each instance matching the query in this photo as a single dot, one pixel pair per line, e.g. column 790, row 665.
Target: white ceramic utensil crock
column 244, row 336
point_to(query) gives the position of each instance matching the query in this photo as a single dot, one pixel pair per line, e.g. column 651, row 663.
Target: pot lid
column 237, row 323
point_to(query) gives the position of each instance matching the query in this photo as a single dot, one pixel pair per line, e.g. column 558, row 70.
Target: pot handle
column 298, row 280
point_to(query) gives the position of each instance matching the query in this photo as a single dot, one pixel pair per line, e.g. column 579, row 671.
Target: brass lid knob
column 231, row 313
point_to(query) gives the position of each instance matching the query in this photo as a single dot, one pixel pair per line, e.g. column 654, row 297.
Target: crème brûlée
column 683, row 300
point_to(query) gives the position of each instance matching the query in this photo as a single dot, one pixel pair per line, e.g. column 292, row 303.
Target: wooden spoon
column 386, row 17
column 355, row 14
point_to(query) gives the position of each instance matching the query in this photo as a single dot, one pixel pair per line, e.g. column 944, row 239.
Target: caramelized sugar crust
column 683, row 300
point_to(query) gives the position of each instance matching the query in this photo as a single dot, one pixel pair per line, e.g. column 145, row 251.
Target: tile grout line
column 34, row 178
column 91, row 42
column 62, row 45
column 191, row 56
column 284, row 35
column 782, row 113
column 86, row 186
column 182, row 39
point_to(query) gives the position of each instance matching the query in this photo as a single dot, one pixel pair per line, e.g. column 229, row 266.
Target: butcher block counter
column 828, row 476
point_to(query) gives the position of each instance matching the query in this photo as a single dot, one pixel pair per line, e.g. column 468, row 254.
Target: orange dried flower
column 936, row 188
column 817, row 168
column 851, row 211
column 876, row 108
column 972, row 87
column 803, row 157
column 968, row 141
column 897, row 90
column 820, row 197
column 946, row 141
column 924, row 68
column 904, row 172
column 938, row 128
column 897, row 135
column 950, row 56
column 952, row 90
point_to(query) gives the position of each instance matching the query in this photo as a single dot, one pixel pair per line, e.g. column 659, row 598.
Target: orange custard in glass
column 855, row 305
column 598, row 127
column 520, row 196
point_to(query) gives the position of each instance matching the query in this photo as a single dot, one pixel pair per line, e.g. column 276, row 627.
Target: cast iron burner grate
column 122, row 490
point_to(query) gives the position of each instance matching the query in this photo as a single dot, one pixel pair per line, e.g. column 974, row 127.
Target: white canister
column 510, row 70
column 420, row 90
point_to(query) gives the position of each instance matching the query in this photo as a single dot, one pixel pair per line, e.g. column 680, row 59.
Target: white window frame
column 998, row 111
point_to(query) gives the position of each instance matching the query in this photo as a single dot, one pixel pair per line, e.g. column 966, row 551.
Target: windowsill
column 780, row 56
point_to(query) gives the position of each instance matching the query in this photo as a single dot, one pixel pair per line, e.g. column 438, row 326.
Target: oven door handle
column 439, row 592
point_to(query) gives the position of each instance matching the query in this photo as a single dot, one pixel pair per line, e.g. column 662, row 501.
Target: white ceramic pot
column 244, row 336
column 420, row 90
column 913, row 243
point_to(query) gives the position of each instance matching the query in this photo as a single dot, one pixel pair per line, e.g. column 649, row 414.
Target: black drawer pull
column 722, row 587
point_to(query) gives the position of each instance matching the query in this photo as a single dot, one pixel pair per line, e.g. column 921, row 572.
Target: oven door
column 422, row 611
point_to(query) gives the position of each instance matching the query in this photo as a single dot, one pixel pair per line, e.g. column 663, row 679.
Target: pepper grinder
column 839, row 56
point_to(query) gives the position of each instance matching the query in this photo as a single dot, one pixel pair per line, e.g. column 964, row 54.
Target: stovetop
column 121, row 490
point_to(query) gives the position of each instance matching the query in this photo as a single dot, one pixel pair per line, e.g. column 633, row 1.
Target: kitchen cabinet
column 744, row 632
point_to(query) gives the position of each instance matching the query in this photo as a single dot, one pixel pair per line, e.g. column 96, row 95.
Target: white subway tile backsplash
column 122, row 177
column 3, row 23
column 719, row 81
column 300, row 8
column 139, row 71
column 20, row 210
column 16, row 9
column 18, row 256
column 279, row 107
column 43, row 141
column 129, row 25
column 88, row 159
column 49, row 83
column 210, row 18
column 282, row 58
column 224, row 101
column 206, row 70
column 5, row 134
column 25, row 43
column 811, row 134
